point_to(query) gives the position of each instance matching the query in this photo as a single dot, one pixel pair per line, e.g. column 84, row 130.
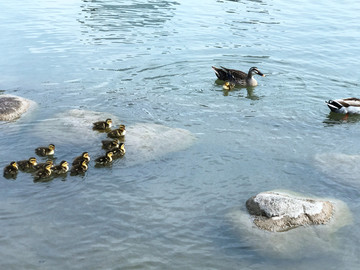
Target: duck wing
column 235, row 74
column 346, row 102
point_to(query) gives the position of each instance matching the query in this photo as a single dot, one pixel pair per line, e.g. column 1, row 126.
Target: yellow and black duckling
column 110, row 144
column 41, row 166
column 84, row 157
column 102, row 125
column 238, row 77
column 11, row 170
column 119, row 151
column 62, row 168
column 107, row 159
column 43, row 173
column 117, row 133
column 45, row 151
column 28, row 164
column 228, row 86
column 79, row 168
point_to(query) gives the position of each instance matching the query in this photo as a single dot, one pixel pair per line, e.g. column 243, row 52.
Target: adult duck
column 238, row 77
column 345, row 105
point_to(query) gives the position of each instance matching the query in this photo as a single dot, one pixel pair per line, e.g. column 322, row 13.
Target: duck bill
column 261, row 74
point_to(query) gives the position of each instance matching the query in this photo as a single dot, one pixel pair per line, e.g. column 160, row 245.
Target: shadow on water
column 333, row 119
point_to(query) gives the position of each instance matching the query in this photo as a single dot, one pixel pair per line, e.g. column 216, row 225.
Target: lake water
column 150, row 62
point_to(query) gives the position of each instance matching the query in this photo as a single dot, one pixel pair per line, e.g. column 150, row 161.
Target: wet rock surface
column 294, row 241
column 280, row 212
column 12, row 107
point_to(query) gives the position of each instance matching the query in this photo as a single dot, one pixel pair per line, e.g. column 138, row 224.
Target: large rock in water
column 71, row 127
column 143, row 141
column 273, row 211
column 146, row 141
column 277, row 239
column 12, row 107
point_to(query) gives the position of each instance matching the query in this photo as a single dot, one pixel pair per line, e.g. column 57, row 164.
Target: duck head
column 109, row 122
column 254, row 70
column 14, row 165
column 33, row 161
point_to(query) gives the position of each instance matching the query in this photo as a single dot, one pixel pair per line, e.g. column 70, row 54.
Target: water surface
column 150, row 62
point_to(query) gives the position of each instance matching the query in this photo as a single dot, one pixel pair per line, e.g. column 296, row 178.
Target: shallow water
column 150, row 62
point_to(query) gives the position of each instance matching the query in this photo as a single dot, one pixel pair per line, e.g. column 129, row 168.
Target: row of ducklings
column 114, row 147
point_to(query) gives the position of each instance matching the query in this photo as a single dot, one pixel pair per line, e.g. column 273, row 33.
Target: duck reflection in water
column 228, row 88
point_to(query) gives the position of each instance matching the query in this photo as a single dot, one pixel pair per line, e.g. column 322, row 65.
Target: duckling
column 110, row 144
column 79, row 168
column 11, row 170
column 238, row 77
column 84, row 157
column 45, row 151
column 43, row 173
column 29, row 164
column 117, row 133
column 228, row 86
column 62, row 168
column 105, row 159
column 40, row 166
column 119, row 151
column 102, row 125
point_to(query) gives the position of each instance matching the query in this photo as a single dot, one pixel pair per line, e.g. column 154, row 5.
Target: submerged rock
column 293, row 240
column 143, row 141
column 146, row 141
column 12, row 107
column 273, row 211
column 72, row 126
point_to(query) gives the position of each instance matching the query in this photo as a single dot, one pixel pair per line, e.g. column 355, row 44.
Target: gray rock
column 278, row 212
column 302, row 242
column 12, row 107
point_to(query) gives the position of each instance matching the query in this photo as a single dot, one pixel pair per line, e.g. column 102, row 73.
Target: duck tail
column 220, row 73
